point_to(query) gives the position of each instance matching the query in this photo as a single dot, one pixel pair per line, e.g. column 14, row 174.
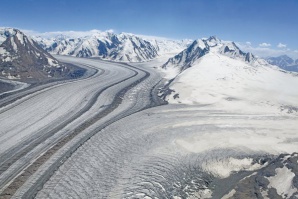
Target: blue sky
column 267, row 22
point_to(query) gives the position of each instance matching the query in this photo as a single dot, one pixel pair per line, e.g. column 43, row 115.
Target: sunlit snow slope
column 227, row 78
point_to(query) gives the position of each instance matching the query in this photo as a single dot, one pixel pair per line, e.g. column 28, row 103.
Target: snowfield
column 230, row 84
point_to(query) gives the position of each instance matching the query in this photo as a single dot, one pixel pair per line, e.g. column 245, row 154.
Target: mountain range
column 128, row 47
column 110, row 46
column 284, row 62
column 30, row 57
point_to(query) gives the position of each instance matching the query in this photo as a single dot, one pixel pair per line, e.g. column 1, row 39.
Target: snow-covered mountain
column 185, row 59
column 168, row 46
column 201, row 47
column 284, row 62
column 216, row 72
column 105, row 45
column 110, row 46
column 22, row 58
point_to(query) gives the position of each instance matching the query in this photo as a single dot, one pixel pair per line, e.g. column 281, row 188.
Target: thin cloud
column 264, row 45
column 281, row 45
column 248, row 43
column 267, row 52
column 73, row 34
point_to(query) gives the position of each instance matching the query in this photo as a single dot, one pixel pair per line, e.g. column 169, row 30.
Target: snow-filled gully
column 48, row 123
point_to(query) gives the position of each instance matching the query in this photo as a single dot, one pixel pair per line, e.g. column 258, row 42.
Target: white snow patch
column 52, row 62
column 264, row 140
column 204, row 194
column 20, row 37
column 14, row 46
column 201, row 44
column 223, row 168
column 7, row 59
column 283, row 182
column 177, row 197
column 229, row 195
column 171, row 72
column 13, row 77
column 264, row 193
column 2, row 51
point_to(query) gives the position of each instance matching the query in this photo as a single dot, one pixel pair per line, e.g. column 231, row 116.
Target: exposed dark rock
column 23, row 58
column 188, row 56
column 254, row 185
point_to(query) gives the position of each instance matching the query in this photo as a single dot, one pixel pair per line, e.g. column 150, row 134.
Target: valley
column 148, row 119
column 44, row 132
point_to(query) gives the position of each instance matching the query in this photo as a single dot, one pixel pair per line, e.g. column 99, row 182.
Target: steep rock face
column 23, row 58
column 284, row 62
column 185, row 58
column 232, row 50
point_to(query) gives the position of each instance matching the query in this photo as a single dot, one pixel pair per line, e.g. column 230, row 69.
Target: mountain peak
column 22, row 58
column 284, row 62
column 230, row 49
column 8, row 32
column 249, row 57
column 284, row 57
column 213, row 37
column 200, row 47
column 213, row 41
column 187, row 57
